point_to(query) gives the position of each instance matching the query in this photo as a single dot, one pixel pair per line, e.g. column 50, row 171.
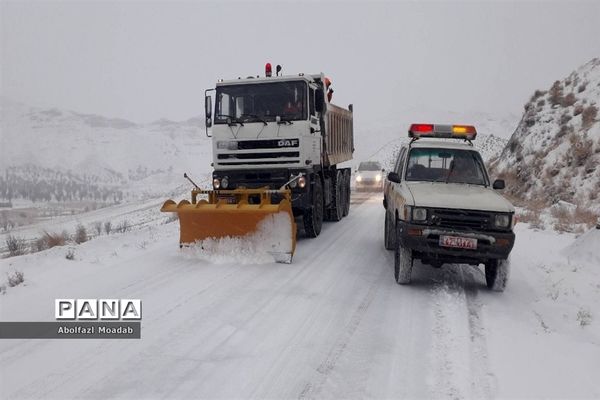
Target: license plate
column 458, row 242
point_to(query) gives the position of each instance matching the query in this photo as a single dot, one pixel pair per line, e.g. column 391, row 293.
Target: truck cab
column 441, row 207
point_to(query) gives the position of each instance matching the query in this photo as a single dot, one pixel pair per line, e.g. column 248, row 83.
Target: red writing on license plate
column 458, row 242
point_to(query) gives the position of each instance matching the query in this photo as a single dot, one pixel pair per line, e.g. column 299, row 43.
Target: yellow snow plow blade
column 247, row 214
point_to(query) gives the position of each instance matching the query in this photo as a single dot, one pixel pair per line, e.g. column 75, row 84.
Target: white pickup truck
column 442, row 208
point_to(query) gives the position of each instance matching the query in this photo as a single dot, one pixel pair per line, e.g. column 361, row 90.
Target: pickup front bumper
column 424, row 240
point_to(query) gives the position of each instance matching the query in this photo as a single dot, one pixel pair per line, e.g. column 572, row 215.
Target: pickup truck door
column 396, row 193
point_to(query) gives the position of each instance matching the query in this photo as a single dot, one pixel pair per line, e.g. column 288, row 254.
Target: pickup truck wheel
column 389, row 232
column 496, row 274
column 403, row 261
column 313, row 216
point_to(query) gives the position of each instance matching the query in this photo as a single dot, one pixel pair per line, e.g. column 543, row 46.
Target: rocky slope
column 554, row 154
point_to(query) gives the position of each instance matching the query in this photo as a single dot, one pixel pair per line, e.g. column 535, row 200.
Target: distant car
column 441, row 206
column 369, row 176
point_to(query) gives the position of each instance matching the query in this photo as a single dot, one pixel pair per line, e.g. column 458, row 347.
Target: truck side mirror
column 208, row 107
column 498, row 184
column 319, row 99
column 393, row 177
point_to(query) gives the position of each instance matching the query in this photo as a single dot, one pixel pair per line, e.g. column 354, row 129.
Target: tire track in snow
column 459, row 353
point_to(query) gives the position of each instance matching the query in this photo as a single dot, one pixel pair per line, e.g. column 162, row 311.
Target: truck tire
column 389, row 232
column 496, row 274
column 336, row 212
column 403, row 261
column 346, row 192
column 313, row 216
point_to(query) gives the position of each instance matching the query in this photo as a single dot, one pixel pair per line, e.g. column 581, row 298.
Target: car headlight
column 419, row 214
column 502, row 221
column 378, row 178
column 216, row 183
column 227, row 145
column 358, row 178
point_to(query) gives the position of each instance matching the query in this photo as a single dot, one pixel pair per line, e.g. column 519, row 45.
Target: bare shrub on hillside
column 582, row 87
column 16, row 246
column 541, row 103
column 55, row 239
column 568, row 100
column 582, row 215
column 16, row 278
column 565, row 118
column 107, row 227
column 98, row 228
column 588, row 116
column 532, row 217
column 80, row 234
column 577, row 110
column 123, row 226
column 556, row 94
column 39, row 244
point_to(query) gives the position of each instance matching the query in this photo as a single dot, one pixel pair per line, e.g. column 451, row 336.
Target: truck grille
column 267, row 144
column 253, row 156
column 462, row 219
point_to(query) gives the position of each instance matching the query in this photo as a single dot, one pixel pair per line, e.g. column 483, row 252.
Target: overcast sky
column 145, row 60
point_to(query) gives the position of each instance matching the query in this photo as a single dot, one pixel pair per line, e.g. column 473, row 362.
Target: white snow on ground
column 333, row 324
column 271, row 241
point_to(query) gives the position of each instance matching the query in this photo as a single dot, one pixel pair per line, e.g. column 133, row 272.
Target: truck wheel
column 403, row 261
column 389, row 232
column 496, row 274
column 313, row 216
column 336, row 212
column 347, row 193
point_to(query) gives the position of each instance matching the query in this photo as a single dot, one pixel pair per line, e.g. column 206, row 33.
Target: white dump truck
column 278, row 131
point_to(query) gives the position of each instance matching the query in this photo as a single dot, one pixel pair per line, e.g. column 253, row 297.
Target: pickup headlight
column 416, row 214
column 502, row 221
column 419, row 214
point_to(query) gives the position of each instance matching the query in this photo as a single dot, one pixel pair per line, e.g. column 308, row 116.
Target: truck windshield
column 261, row 101
column 445, row 165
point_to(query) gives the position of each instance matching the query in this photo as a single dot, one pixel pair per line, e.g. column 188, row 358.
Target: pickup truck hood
column 458, row 196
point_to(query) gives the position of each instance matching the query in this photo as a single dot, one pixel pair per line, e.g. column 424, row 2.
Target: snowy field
column 333, row 324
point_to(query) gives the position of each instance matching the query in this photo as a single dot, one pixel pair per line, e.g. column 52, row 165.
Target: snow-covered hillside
column 554, row 154
column 140, row 159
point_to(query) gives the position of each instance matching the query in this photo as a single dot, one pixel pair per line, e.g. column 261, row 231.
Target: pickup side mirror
column 498, row 184
column 393, row 177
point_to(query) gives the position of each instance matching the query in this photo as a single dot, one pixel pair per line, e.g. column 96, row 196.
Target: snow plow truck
column 277, row 144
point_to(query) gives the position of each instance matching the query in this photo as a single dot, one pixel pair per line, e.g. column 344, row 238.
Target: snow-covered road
column 333, row 324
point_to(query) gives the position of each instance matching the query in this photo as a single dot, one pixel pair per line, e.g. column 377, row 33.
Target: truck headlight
column 216, row 183
column 301, row 182
column 358, row 178
column 502, row 221
column 225, row 182
column 419, row 214
column 227, row 145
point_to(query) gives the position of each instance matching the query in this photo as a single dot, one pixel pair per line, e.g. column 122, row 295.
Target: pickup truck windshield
column 445, row 165
column 261, row 102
